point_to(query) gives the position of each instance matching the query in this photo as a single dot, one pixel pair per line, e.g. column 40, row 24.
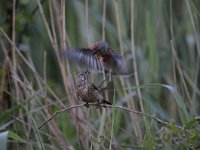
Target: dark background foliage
column 159, row 41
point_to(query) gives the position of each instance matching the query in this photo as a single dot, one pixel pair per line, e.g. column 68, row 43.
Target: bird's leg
column 98, row 105
column 86, row 105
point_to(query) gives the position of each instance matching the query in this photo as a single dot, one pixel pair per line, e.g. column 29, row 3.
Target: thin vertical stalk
column 113, row 122
column 63, row 24
column 194, row 28
column 55, row 43
column 14, row 63
column 45, row 79
column 101, row 128
column 120, row 39
column 87, row 23
column 103, row 115
column 172, row 38
column 13, row 35
column 45, row 21
column 123, row 83
column 176, row 64
column 172, row 53
column 135, row 62
column 119, row 28
column 198, row 51
column 13, row 66
column 104, row 20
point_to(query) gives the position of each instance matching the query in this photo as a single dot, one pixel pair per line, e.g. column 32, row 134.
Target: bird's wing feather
column 120, row 66
column 93, row 87
column 84, row 57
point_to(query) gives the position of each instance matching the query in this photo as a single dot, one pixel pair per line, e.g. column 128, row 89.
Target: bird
column 87, row 91
column 100, row 58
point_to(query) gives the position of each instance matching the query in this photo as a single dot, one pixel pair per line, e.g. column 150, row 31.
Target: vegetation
column 160, row 43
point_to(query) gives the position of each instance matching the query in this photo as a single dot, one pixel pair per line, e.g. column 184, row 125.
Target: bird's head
column 100, row 46
column 82, row 77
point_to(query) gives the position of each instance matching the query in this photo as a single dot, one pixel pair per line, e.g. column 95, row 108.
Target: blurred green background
column 158, row 40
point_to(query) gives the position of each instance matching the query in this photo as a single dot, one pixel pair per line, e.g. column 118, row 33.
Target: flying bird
column 100, row 58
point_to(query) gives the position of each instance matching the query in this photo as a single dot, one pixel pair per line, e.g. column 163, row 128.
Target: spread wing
column 119, row 66
column 84, row 58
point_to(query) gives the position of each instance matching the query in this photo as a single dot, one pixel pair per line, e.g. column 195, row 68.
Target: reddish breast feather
column 104, row 58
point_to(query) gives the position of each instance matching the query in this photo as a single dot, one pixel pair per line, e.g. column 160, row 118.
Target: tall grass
column 159, row 42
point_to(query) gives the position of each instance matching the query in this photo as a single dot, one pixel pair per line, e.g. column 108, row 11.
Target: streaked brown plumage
column 87, row 91
column 100, row 57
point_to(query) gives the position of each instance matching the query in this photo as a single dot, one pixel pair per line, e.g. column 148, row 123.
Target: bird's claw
column 98, row 105
column 86, row 105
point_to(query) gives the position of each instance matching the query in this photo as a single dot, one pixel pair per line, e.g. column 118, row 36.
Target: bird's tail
column 106, row 102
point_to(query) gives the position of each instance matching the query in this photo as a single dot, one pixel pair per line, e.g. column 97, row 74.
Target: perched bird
column 100, row 57
column 87, row 91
